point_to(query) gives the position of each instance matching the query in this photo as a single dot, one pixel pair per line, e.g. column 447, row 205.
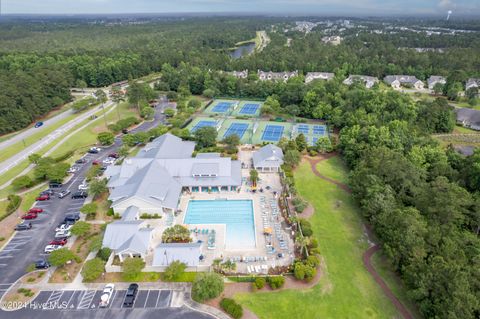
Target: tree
column 208, row 93
column 95, row 243
column 89, row 209
column 132, row 267
column 301, row 142
column 232, row 141
column 23, row 181
column 97, row 187
column 323, row 145
column 254, row 176
column 104, row 253
column 60, row 257
column 92, row 269
column 276, row 282
column 292, row 157
column 207, row 286
column 292, row 109
column 123, row 150
column 169, row 112
column 174, row 271
column 438, row 88
column 101, row 96
column 205, row 137
column 81, row 228
column 147, row 112
column 194, row 103
column 57, row 172
column 34, row 158
column 106, row 138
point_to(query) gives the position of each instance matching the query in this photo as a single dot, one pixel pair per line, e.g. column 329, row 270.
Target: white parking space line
column 112, row 299
column 148, row 294
column 53, row 299
column 159, row 293
column 86, row 299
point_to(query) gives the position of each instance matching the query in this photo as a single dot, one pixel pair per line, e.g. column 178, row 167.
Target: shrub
column 276, row 282
column 89, row 209
column 207, row 286
column 95, row 243
column 81, row 228
column 259, row 282
column 104, row 253
column 176, row 234
column 14, row 203
column 174, row 271
column 306, row 227
column 61, row 256
column 92, row 269
column 110, row 212
column 300, row 204
column 63, row 157
column 132, row 267
column 106, row 138
column 149, row 216
column 232, row 308
column 22, row 182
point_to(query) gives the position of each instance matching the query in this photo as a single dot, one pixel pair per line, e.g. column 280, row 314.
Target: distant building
column 318, row 76
column 469, row 118
column 434, row 79
column 240, row 74
column 268, row 158
column 369, row 81
column 334, row 40
column 396, row 81
column 472, row 83
column 276, row 76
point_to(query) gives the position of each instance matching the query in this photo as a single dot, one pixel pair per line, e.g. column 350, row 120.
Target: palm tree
column 302, row 244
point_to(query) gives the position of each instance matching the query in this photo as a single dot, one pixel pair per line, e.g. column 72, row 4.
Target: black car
column 93, row 151
column 81, row 161
column 80, row 194
column 71, row 217
column 130, row 296
column 23, row 226
column 125, row 131
column 55, row 185
column 42, row 264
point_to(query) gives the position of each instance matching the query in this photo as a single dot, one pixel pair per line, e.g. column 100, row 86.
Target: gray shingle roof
column 468, row 117
column 268, row 156
column 188, row 253
column 167, row 146
column 131, row 213
column 403, row 79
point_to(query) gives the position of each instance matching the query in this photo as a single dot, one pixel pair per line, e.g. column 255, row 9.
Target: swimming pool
column 237, row 215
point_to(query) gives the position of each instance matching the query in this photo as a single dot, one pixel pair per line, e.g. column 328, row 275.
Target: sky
column 310, row 7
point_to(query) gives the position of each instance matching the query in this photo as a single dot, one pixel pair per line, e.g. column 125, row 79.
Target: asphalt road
column 26, row 247
column 24, row 153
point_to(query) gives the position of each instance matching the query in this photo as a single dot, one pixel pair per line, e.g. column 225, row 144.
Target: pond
column 243, row 50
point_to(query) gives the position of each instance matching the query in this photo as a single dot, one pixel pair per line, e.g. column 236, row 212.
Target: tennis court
column 222, row 107
column 272, row 133
column 236, row 128
column 249, row 108
column 319, row 130
column 303, row 128
column 201, row 124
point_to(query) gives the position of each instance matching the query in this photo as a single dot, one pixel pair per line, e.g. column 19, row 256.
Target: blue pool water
column 237, row 215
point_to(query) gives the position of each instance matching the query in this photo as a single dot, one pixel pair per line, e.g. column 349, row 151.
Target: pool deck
column 260, row 251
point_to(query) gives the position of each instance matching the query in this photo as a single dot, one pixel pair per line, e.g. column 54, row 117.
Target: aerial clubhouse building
column 154, row 180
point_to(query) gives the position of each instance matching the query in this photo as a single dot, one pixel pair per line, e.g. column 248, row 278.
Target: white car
column 63, row 233
column 106, row 295
column 83, row 187
column 63, row 228
column 109, row 161
column 50, row 248
column 72, row 169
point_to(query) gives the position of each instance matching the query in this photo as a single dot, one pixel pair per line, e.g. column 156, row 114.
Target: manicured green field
column 346, row 289
column 334, row 168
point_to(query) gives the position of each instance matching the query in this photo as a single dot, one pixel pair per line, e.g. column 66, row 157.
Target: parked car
column 83, row 186
column 130, row 295
column 108, row 161
column 64, row 193
column 42, row 264
column 96, row 162
column 125, row 131
column 73, row 169
column 71, row 217
column 58, row 242
column 63, row 234
column 63, row 227
column 49, row 248
column 80, row 194
column 38, row 124
column 103, row 168
column 106, row 295
column 113, row 155
column 94, row 150
column 55, row 185
column 81, row 161
column 35, row 210
column 43, row 197
column 29, row 216
column 23, row 226
column 47, row 192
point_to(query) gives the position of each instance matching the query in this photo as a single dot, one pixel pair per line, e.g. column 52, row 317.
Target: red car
column 96, row 162
column 60, row 242
column 29, row 216
column 35, row 210
column 43, row 197
column 113, row 155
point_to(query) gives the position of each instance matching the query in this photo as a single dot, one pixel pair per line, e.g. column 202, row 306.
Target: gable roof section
column 188, row 253
column 139, row 242
column 268, row 156
column 403, row 79
column 167, row 146
column 469, row 117
column 118, row 232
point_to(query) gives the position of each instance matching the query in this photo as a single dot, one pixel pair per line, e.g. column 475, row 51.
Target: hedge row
column 232, row 308
column 13, row 205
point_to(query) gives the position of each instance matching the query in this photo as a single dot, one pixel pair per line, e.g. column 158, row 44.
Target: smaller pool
column 237, row 215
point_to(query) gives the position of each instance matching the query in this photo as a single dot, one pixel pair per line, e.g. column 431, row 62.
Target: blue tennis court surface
column 203, row 124
column 272, row 133
column 319, row 130
column 249, row 108
column 222, row 107
column 236, row 128
column 304, row 129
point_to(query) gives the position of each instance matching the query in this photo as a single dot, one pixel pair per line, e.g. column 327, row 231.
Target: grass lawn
column 334, row 168
column 3, row 208
column 346, row 290
column 145, row 277
column 29, row 198
column 464, row 130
